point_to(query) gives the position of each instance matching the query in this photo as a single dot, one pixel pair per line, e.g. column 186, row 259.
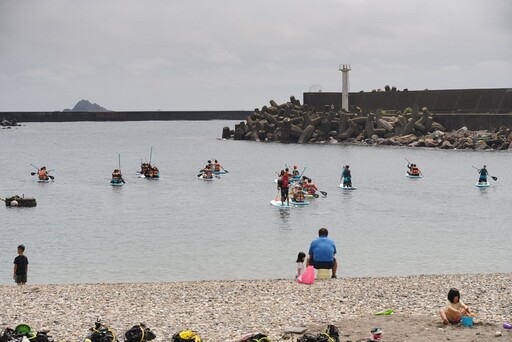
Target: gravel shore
column 226, row 310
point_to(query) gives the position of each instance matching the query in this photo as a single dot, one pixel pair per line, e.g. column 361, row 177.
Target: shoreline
column 227, row 310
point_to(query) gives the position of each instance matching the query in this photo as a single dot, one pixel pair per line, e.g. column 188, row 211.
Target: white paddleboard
column 412, row 176
column 483, row 185
column 347, row 187
column 279, row 204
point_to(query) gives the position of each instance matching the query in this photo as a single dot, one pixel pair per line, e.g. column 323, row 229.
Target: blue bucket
column 467, row 321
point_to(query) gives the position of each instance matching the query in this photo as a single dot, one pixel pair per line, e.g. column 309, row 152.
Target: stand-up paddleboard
column 280, row 204
column 44, row 180
column 219, row 172
column 482, row 184
column 347, row 187
column 206, row 179
column 299, row 203
column 413, row 176
column 114, row 183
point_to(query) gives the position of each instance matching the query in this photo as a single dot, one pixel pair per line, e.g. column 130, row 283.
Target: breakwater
column 293, row 122
column 124, row 116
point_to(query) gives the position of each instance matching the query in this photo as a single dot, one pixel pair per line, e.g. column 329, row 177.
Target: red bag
column 308, row 277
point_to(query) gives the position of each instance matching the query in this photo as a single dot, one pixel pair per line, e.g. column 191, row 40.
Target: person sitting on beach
column 300, row 264
column 483, row 175
column 42, row 173
column 322, row 251
column 298, row 194
column 454, row 309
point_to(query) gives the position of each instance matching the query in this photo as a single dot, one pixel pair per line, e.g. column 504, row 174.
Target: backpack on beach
column 331, row 334
column 101, row 333
column 186, row 336
column 255, row 338
column 139, row 333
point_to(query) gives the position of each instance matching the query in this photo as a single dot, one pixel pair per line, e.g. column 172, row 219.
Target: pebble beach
column 227, row 310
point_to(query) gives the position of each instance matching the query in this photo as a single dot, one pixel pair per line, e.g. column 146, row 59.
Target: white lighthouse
column 344, row 68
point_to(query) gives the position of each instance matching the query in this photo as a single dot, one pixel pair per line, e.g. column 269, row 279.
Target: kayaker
column 156, row 172
column 346, row 176
column 117, row 177
column 311, row 187
column 295, row 172
column 207, row 172
column 283, row 185
column 483, row 174
column 216, row 166
column 298, row 194
column 42, row 174
column 413, row 169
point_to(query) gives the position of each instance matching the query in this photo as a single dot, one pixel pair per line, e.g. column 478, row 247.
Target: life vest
column 295, row 172
column 42, row 174
column 299, row 196
column 415, row 171
column 217, row 167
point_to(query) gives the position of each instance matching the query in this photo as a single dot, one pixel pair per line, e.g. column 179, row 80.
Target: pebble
column 226, row 310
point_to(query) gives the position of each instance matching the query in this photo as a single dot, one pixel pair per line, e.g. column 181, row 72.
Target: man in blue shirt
column 322, row 251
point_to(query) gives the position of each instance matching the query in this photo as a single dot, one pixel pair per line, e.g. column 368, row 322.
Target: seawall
column 124, row 116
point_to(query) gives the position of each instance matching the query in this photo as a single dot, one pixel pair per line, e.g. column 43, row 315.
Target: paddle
column 493, row 177
column 323, row 192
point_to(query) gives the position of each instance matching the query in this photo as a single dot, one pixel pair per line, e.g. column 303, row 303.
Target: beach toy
column 385, row 312
column 323, row 273
column 507, row 326
column 467, row 321
column 22, row 329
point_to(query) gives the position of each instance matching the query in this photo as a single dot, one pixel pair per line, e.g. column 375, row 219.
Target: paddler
column 295, row 172
column 298, row 194
column 207, row 172
column 346, row 176
column 483, row 174
column 42, row 173
column 216, row 166
column 283, row 185
column 311, row 187
column 117, row 177
column 413, row 170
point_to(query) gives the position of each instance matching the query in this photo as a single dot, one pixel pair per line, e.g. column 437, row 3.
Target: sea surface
column 180, row 228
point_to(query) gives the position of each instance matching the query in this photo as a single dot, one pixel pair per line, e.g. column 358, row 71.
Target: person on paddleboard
column 117, row 177
column 208, row 172
column 216, row 166
column 311, row 187
column 284, row 185
column 298, row 194
column 413, row 169
column 483, row 174
column 42, row 173
column 346, row 176
column 295, row 172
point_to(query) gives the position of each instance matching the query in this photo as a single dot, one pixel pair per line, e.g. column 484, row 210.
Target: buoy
column 14, row 203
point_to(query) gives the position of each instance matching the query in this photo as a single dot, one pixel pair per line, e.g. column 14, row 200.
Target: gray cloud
column 231, row 54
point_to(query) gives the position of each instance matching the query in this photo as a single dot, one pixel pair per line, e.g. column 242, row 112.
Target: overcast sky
column 238, row 55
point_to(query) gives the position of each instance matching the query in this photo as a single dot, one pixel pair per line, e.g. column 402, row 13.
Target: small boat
column 413, row 176
column 45, row 180
column 17, row 201
column 482, row 184
column 347, row 187
column 208, row 179
column 219, row 172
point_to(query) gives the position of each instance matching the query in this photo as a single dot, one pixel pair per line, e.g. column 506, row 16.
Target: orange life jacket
column 217, row 167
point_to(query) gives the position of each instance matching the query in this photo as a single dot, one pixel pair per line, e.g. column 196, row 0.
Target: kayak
column 219, row 172
column 299, row 203
column 413, row 176
column 482, row 184
column 347, row 187
column 114, row 182
column 206, row 179
column 44, row 180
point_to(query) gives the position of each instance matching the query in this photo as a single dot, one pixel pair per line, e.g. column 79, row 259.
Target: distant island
column 86, row 106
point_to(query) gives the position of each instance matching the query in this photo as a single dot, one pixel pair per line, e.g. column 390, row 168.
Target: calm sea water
column 181, row 228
